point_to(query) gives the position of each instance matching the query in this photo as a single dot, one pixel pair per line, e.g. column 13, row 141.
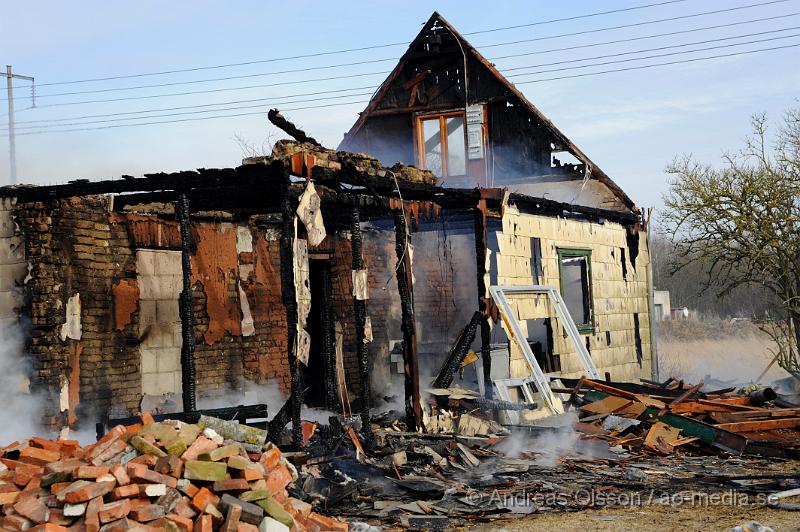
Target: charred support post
column 277, row 423
column 360, row 310
column 289, row 296
column 458, row 353
column 483, row 300
column 328, row 342
column 186, row 307
column 408, row 324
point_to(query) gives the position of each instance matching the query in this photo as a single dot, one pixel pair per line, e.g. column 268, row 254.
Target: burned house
column 341, row 277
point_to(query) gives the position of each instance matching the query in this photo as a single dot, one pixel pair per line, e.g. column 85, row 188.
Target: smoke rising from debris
column 549, row 447
column 21, row 413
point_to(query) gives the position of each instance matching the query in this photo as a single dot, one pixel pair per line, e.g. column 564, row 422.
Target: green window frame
column 588, row 298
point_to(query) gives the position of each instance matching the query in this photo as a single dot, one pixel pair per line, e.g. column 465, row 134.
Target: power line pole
column 12, row 141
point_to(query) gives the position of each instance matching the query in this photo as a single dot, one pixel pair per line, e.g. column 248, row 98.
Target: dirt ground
column 653, row 517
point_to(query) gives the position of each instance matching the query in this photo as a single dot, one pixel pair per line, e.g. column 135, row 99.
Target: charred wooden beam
column 360, row 311
column 243, row 177
column 281, row 122
column 458, row 353
column 328, row 340
column 289, row 297
column 277, row 423
column 408, row 322
column 483, row 300
column 186, row 307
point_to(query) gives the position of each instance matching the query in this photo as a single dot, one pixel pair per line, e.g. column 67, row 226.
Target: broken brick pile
column 151, row 476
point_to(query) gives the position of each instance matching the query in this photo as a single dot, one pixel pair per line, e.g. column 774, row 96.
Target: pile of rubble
column 671, row 415
column 155, row 476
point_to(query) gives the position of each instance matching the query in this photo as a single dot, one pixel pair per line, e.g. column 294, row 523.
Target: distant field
column 737, row 352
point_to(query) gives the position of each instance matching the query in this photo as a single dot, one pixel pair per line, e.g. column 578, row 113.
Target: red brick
column 114, row 510
column 204, row 524
column 278, row 478
column 85, row 493
column 120, row 474
column 183, row 523
column 251, row 473
column 91, row 472
column 91, row 519
column 198, row 446
column 146, row 513
column 125, row 492
column 184, row 509
column 148, row 475
column 270, row 458
column 48, row 527
column 9, row 497
column 57, row 517
column 17, row 522
column 203, row 498
column 32, row 508
column 231, row 484
column 326, row 523
column 37, row 456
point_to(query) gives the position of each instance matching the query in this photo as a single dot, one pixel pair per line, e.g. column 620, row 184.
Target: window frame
column 420, row 145
column 583, row 328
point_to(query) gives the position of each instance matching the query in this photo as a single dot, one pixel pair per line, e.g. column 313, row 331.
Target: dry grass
column 694, row 350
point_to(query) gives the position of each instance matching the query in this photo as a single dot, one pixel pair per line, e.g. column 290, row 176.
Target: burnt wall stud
column 289, row 297
column 328, row 341
column 360, row 310
column 408, row 323
column 186, row 307
column 483, row 305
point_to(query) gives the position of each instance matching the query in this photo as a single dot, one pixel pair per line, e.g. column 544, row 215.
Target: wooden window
column 575, row 271
column 442, row 144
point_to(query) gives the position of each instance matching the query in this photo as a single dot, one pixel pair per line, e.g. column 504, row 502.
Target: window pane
column 456, row 149
column 575, row 288
column 433, row 145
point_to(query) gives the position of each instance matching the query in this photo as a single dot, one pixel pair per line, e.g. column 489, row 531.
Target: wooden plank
column 661, row 437
column 735, row 417
column 599, row 386
column 735, row 406
column 704, row 406
column 755, row 426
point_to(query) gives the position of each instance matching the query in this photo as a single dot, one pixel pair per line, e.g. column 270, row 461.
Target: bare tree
column 743, row 222
column 250, row 149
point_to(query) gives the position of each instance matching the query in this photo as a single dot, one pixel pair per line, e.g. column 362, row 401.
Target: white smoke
column 549, row 447
column 21, row 412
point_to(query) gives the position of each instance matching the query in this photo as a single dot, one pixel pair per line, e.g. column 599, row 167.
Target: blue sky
column 630, row 123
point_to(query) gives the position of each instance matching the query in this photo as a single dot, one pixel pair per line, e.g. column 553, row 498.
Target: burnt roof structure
column 441, row 70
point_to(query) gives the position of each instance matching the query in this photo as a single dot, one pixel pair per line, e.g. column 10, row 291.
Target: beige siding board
column 615, row 298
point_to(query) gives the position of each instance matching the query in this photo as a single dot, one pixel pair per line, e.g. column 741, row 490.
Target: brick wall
column 73, row 249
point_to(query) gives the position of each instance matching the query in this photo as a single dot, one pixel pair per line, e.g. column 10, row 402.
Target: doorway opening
column 319, row 375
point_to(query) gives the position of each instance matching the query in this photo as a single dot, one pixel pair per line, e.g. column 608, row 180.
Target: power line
column 225, row 78
column 590, row 45
column 722, row 46
column 641, row 67
column 275, row 100
column 359, row 49
column 638, row 67
column 566, row 19
column 355, row 63
column 262, row 112
column 267, row 102
column 177, row 108
column 331, row 78
column 645, row 37
column 635, row 24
